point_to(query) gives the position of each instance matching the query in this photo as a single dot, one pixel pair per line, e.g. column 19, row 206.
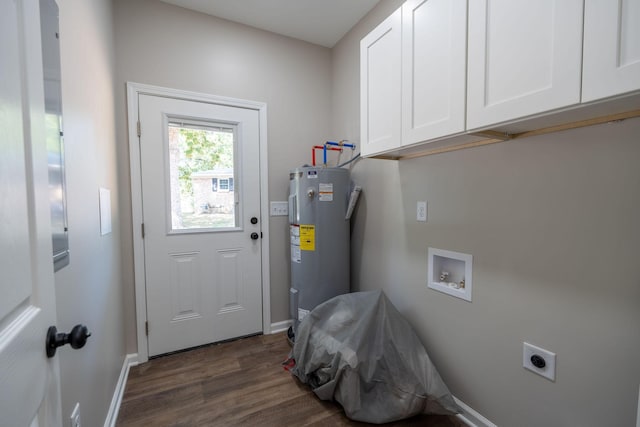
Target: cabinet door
column 434, row 61
column 380, row 87
column 611, row 48
column 524, row 58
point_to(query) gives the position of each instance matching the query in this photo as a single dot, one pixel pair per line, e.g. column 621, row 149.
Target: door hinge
column 146, row 328
column 138, row 129
column 142, row 230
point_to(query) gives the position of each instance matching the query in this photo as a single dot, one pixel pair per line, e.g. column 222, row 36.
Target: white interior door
column 29, row 388
column 201, row 211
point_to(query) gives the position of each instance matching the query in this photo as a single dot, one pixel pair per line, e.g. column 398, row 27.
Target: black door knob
column 254, row 220
column 254, row 236
column 77, row 338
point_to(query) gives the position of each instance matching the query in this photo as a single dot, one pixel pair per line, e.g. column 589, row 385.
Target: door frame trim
column 133, row 91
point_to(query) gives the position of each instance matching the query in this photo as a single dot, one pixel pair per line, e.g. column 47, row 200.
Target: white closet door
column 380, row 93
column 434, row 61
column 611, row 48
column 524, row 58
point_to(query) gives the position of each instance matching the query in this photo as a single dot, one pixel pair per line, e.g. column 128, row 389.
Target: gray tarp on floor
column 358, row 350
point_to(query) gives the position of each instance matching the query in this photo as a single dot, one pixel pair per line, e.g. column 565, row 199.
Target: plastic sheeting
column 358, row 350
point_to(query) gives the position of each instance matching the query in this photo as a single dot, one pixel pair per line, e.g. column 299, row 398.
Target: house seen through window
column 222, row 184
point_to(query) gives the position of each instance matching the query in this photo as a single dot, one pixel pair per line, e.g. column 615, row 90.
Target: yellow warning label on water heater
column 307, row 237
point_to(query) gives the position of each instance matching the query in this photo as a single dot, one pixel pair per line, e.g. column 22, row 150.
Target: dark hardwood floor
column 235, row 383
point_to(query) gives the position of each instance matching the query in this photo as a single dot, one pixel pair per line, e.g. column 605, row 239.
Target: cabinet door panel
column 524, row 59
column 380, row 87
column 433, row 68
column 611, row 48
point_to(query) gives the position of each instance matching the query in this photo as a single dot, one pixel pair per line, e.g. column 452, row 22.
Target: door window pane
column 201, row 170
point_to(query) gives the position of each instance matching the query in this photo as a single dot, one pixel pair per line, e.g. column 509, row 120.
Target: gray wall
column 164, row 45
column 89, row 290
column 552, row 223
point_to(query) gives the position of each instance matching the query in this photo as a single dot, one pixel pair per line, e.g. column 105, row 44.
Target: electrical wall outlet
column 279, row 209
column 539, row 360
column 75, row 416
column 421, row 212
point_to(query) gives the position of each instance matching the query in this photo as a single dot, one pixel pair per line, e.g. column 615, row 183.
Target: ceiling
column 322, row 22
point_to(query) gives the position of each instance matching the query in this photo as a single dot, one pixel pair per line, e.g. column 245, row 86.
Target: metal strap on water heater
column 293, row 305
column 293, row 209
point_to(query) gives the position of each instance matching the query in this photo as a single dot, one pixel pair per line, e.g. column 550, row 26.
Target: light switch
column 279, row 209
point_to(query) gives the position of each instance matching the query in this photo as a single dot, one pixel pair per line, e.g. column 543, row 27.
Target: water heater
column 319, row 233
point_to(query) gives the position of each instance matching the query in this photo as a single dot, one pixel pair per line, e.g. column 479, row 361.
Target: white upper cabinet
column 524, row 58
column 380, row 50
column 611, row 48
column 434, row 60
column 439, row 73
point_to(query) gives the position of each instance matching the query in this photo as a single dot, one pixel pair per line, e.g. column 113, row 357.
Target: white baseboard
column 281, row 326
column 471, row 417
column 112, row 416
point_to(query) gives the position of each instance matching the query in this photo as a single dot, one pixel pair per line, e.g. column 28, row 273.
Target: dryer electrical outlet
column 539, row 360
